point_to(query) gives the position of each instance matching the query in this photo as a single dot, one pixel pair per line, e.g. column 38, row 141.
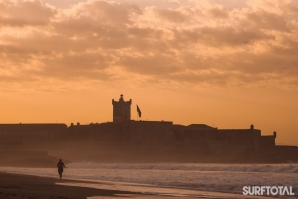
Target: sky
column 224, row 63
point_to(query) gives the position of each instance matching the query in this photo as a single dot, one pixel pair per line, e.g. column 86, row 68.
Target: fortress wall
column 11, row 138
column 267, row 147
column 77, row 132
column 109, row 132
column 32, row 129
column 194, row 142
column 238, row 132
column 241, row 141
column 267, row 141
column 257, row 140
column 218, row 147
column 104, row 132
column 151, row 132
column 197, row 137
column 179, row 132
column 200, row 134
column 286, row 153
column 241, row 136
column 195, row 134
column 30, row 133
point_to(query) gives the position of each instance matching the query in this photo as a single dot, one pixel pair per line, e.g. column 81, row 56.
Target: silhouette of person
column 60, row 166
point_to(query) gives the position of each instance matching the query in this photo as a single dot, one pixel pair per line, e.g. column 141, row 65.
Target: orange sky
column 227, row 64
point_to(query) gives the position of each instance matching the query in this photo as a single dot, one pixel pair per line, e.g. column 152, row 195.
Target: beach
column 16, row 186
column 150, row 180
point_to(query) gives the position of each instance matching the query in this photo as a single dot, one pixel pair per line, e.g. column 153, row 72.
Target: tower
column 121, row 110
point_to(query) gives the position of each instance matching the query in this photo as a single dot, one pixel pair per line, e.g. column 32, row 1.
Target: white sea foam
column 273, row 168
column 228, row 178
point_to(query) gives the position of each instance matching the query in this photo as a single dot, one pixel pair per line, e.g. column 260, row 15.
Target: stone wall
column 151, row 132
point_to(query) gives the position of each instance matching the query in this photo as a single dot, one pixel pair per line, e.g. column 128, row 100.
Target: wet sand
column 14, row 186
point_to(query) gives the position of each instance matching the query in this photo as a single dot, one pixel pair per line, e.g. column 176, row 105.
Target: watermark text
column 268, row 190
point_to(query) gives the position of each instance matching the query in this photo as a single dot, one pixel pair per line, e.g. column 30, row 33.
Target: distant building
column 121, row 110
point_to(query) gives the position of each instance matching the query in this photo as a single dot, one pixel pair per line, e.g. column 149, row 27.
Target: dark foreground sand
column 13, row 186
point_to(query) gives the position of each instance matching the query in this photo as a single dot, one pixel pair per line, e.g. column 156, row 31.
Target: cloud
column 171, row 15
column 202, row 45
column 24, row 13
column 219, row 12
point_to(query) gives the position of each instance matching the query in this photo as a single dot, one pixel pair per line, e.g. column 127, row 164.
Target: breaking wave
column 228, row 178
column 272, row 168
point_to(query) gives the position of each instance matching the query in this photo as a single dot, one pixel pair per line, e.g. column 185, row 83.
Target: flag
column 139, row 111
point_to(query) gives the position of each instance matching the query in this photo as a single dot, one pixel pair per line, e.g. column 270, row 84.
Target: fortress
column 126, row 140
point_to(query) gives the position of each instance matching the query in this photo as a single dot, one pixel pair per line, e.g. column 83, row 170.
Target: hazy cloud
column 24, row 13
column 199, row 44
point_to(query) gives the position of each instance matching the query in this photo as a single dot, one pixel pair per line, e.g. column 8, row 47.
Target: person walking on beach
column 60, row 166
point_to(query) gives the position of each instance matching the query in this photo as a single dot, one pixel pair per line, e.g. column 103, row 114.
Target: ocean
column 175, row 179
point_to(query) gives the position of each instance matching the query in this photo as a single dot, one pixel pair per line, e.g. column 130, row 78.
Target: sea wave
column 229, row 178
column 272, row 168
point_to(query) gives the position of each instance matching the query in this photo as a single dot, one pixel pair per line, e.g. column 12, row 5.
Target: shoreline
column 23, row 186
column 18, row 186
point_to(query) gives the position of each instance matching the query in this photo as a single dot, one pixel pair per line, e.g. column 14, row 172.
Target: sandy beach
column 19, row 186
column 14, row 186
